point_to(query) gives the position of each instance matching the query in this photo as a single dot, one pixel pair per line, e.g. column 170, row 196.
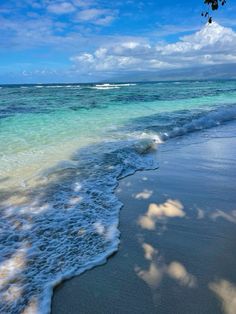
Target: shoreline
column 177, row 228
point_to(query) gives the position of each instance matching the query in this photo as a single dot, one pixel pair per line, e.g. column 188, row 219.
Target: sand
column 178, row 236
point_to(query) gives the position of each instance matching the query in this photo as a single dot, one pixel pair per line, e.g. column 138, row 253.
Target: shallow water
column 63, row 149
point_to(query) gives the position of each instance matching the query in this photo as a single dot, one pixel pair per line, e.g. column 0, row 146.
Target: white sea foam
column 104, row 87
column 55, row 86
column 66, row 226
column 124, row 84
column 112, row 86
column 63, row 86
column 179, row 124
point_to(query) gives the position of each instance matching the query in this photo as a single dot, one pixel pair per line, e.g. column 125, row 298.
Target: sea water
column 63, row 149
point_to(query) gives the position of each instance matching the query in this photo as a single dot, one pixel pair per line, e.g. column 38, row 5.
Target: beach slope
column 178, row 229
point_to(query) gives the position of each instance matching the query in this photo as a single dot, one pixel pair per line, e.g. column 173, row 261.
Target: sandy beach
column 177, row 252
column 117, row 157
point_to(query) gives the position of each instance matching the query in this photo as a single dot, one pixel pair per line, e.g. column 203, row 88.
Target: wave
column 166, row 125
column 62, row 86
column 51, row 86
column 126, row 84
column 112, row 86
column 201, row 121
column 118, row 84
column 54, row 86
column 104, row 87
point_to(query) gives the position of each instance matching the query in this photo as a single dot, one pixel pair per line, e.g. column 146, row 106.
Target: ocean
column 63, row 149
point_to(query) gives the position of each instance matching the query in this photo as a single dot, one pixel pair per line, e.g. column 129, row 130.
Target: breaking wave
column 166, row 125
column 200, row 121
column 112, row 86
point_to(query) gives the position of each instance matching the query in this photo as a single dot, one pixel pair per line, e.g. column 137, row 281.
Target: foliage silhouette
column 214, row 5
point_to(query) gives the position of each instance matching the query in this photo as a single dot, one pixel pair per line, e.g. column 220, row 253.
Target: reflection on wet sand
column 171, row 208
column 178, row 272
column 177, row 251
column 145, row 194
column 158, row 268
column 226, row 292
column 230, row 216
column 152, row 277
column 149, row 251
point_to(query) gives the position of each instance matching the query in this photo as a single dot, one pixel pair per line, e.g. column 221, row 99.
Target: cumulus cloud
column 37, row 32
column 96, row 16
column 128, row 55
column 213, row 44
column 61, row 8
column 83, row 3
column 57, row 23
column 85, row 11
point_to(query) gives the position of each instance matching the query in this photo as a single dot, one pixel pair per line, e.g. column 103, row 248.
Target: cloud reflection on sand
column 178, row 272
column 158, row 269
column 155, row 212
column 153, row 276
column 226, row 292
column 230, row 216
column 146, row 194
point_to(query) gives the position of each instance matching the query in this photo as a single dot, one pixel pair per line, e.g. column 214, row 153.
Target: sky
column 64, row 41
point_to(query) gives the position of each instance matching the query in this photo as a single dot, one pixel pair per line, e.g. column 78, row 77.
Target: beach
column 117, row 157
column 142, row 172
column 177, row 247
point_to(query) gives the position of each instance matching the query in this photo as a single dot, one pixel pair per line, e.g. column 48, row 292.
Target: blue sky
column 91, row 40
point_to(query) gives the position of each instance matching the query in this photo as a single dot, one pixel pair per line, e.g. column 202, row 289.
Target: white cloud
column 61, row 8
column 213, row 44
column 57, row 27
column 106, row 20
column 36, row 32
column 89, row 14
column 128, row 55
column 96, row 16
column 213, row 37
column 83, row 3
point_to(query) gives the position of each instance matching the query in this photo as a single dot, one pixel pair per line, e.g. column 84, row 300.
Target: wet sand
column 178, row 236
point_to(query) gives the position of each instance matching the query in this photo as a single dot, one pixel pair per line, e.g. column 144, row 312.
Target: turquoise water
column 62, row 150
